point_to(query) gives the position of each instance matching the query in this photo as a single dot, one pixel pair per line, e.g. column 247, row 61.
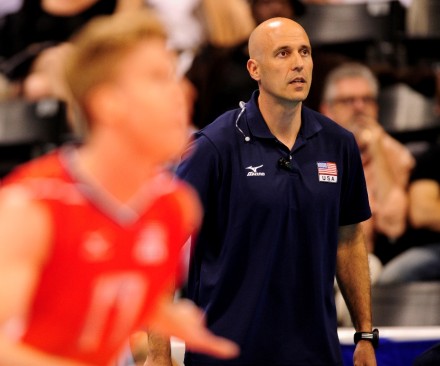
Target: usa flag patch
column 327, row 171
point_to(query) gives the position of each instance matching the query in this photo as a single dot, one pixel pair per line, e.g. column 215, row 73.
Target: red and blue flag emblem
column 327, row 171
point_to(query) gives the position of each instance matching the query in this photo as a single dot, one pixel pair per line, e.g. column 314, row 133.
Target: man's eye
column 305, row 52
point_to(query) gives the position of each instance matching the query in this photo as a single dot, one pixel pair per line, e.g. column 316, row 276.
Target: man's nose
column 359, row 104
column 297, row 62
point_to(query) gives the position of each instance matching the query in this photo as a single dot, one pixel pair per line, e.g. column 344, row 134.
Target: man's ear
column 254, row 70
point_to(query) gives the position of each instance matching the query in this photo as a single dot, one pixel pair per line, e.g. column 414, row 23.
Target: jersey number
column 115, row 306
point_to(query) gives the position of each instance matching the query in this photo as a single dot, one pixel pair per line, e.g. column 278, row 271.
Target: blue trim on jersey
column 264, row 263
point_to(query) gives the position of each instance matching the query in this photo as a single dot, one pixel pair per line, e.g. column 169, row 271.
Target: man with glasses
column 350, row 98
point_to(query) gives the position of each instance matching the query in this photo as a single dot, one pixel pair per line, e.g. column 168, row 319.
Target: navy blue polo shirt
column 264, row 261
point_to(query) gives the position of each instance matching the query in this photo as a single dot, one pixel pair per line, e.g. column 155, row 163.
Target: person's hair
column 344, row 71
column 101, row 44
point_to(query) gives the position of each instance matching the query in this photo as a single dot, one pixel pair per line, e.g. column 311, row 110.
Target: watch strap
column 372, row 337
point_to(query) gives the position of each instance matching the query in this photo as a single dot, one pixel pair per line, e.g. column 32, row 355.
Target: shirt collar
column 257, row 126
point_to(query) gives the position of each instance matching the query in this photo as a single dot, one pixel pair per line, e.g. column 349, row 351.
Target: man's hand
column 185, row 321
column 364, row 354
column 368, row 133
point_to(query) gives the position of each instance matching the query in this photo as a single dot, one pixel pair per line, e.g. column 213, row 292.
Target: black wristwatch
column 372, row 337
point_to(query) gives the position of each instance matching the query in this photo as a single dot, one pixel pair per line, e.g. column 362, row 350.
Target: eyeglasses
column 350, row 101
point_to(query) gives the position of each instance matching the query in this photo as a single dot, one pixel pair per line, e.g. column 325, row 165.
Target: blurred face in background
column 152, row 114
column 266, row 9
column 352, row 102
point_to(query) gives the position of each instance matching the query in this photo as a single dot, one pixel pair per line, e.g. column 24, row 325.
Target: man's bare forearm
column 354, row 277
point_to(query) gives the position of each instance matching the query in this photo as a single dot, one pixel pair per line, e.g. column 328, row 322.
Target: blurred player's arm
column 184, row 320
column 24, row 241
column 352, row 273
column 149, row 348
column 181, row 319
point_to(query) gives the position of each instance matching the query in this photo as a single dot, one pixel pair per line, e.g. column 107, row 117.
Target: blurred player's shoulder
column 44, row 178
column 13, row 188
column 184, row 196
column 47, row 165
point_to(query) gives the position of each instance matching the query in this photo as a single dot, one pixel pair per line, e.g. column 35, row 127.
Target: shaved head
column 262, row 35
column 281, row 60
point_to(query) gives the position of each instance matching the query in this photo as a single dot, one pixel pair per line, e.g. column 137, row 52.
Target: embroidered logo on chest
column 327, row 171
column 254, row 171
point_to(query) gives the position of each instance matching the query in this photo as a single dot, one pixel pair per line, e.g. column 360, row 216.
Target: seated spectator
column 350, row 99
column 404, row 2
column 421, row 262
column 184, row 28
column 33, row 49
column 36, row 30
column 215, row 62
column 9, row 6
column 266, row 9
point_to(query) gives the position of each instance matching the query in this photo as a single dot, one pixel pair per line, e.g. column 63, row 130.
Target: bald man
column 284, row 193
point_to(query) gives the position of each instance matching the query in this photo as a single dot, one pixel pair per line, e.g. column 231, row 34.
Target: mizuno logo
column 254, row 172
column 254, row 169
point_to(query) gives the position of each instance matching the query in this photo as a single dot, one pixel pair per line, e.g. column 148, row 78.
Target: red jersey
column 108, row 263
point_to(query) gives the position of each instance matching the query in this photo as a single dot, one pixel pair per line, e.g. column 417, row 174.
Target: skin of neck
column 115, row 165
column 282, row 118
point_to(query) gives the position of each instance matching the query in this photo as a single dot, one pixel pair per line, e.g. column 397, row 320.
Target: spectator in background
column 421, row 261
column 350, row 98
column 182, row 21
column 216, row 72
column 33, row 50
column 104, row 223
column 32, row 41
column 403, row 2
column 9, row 6
column 266, row 9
